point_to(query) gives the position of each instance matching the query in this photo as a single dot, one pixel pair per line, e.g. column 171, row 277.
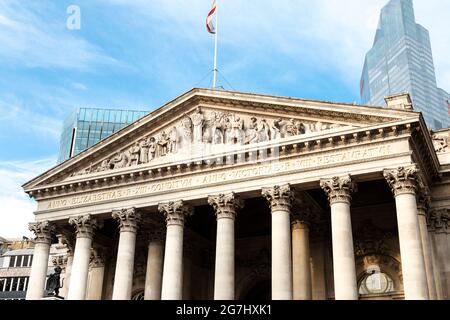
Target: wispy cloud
column 16, row 208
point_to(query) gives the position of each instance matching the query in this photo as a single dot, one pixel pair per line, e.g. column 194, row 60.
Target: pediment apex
column 214, row 117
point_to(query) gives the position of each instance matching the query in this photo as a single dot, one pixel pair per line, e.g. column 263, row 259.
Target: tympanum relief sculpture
column 211, row 128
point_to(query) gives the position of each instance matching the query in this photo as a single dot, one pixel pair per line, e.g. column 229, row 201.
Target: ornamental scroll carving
column 205, row 128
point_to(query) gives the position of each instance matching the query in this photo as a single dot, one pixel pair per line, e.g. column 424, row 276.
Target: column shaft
column 426, row 247
column 301, row 265
column 153, row 278
column 38, row 273
column 80, row 269
column 173, row 264
column 95, row 287
column 123, row 280
column 224, row 272
column 318, row 271
column 65, row 288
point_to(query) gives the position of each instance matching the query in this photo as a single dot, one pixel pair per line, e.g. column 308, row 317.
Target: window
column 19, row 261
column 376, row 282
column 2, row 284
column 12, row 261
column 25, row 261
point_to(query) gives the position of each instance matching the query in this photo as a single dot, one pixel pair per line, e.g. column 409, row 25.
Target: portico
column 208, row 213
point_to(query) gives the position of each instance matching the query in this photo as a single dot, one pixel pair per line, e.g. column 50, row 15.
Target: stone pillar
column 175, row 213
column 404, row 183
column 68, row 271
column 301, row 265
column 85, row 227
column 319, row 290
column 129, row 221
column 280, row 201
column 155, row 260
column 225, row 207
column 439, row 220
column 38, row 274
column 338, row 190
column 423, row 204
column 96, row 276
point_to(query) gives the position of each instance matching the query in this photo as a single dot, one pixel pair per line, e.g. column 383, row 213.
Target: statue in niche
column 275, row 129
column 252, row 137
column 54, row 283
column 143, row 156
column 173, row 140
column 134, row 154
column 263, row 131
column 237, row 126
column 198, row 121
column 217, row 133
column 119, row 160
column 163, row 145
column 186, row 125
column 152, row 146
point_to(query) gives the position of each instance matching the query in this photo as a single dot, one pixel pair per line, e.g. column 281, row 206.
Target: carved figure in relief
column 163, row 145
column 301, row 129
column 217, row 130
column 227, row 130
column 119, row 160
column 275, row 129
column 186, row 125
column 237, row 126
column 152, row 146
column 198, row 121
column 441, row 143
column 252, row 137
column 291, row 128
column 173, row 140
column 134, row 154
column 143, row 156
column 105, row 165
column 263, row 131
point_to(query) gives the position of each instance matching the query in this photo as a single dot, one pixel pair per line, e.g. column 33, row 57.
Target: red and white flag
column 209, row 19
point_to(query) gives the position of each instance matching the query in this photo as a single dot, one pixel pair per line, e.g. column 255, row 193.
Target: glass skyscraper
column 401, row 61
column 85, row 127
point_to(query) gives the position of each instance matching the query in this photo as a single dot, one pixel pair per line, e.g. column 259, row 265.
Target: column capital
column 97, row 259
column 176, row 212
column 226, row 205
column 129, row 219
column 439, row 221
column 43, row 231
column 85, row 226
column 339, row 189
column 280, row 198
column 423, row 200
column 403, row 180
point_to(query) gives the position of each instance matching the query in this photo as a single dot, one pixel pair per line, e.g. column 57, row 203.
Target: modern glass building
column 85, row 127
column 401, row 61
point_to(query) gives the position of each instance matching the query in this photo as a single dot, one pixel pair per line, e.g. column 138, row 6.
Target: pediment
column 202, row 122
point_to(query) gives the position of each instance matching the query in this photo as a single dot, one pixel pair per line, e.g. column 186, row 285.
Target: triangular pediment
column 206, row 121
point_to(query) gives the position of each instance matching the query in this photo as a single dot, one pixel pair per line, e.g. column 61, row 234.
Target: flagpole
column 215, row 44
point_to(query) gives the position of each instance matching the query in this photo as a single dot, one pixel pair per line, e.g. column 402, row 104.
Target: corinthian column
column 175, row 213
column 85, row 227
column 129, row 221
column 339, row 190
column 155, row 259
column 423, row 204
column 224, row 281
column 43, row 231
column 280, row 201
column 404, row 182
column 96, row 276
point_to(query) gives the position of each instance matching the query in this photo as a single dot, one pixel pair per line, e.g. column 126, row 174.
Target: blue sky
column 143, row 54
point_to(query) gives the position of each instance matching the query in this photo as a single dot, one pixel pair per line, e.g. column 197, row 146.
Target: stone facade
column 227, row 195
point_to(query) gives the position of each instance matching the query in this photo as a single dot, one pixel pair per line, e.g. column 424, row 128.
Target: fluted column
column 225, row 207
column 280, row 201
column 423, row 204
column 175, row 213
column 301, row 261
column 85, row 227
column 404, row 182
column 339, row 190
column 38, row 274
column 129, row 220
column 155, row 260
column 96, row 276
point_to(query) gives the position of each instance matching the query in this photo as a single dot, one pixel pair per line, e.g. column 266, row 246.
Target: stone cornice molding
column 339, row 189
column 129, row 219
column 403, row 180
column 43, row 231
column 226, row 205
column 85, row 225
column 176, row 212
column 280, row 198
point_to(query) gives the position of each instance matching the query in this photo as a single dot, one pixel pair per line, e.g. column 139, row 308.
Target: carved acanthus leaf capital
column 403, row 179
column 129, row 219
column 176, row 212
column 43, row 231
column 226, row 205
column 280, row 198
column 339, row 189
column 97, row 258
column 85, row 226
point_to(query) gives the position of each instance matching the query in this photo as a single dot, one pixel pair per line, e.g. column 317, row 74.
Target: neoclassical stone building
column 228, row 195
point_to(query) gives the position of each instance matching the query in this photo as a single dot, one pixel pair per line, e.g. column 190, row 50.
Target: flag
column 209, row 19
